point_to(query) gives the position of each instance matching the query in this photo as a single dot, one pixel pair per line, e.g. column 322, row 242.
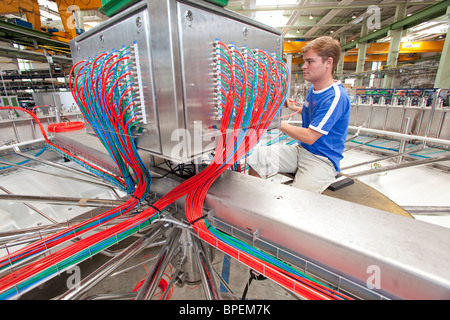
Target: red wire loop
column 65, row 126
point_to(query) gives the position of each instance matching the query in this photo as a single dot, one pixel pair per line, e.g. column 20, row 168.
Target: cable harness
column 251, row 87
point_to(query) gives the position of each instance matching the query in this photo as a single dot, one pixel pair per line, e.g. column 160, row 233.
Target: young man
column 325, row 116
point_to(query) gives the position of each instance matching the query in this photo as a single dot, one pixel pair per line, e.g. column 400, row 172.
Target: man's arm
column 305, row 135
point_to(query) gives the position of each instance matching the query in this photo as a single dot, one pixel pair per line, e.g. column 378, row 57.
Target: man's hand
column 293, row 105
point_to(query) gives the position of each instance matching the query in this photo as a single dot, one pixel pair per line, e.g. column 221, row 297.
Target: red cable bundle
column 65, row 126
column 195, row 199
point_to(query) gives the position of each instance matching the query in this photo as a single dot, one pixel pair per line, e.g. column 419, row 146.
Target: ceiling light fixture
column 310, row 16
column 354, row 16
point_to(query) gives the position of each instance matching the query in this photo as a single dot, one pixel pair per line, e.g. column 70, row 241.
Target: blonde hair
column 325, row 47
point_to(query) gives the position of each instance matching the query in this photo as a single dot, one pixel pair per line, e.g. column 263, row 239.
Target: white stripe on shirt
column 332, row 107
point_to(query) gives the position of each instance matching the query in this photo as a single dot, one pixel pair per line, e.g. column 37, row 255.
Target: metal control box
column 173, row 48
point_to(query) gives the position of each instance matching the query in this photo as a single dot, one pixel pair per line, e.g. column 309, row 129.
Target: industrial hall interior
column 242, row 150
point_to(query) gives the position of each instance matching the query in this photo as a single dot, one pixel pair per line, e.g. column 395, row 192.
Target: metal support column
column 151, row 283
column 394, row 46
column 204, row 264
column 340, row 66
column 362, row 48
column 443, row 76
column 406, row 127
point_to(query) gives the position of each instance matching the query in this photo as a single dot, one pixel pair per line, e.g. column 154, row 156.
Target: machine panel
column 175, row 67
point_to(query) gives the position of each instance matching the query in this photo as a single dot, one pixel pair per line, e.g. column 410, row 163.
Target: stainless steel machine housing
column 175, row 51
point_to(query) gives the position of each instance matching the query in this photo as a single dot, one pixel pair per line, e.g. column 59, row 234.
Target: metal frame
column 429, row 124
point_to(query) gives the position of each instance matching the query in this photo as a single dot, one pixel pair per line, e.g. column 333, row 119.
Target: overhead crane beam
column 29, row 7
column 372, row 58
column 313, row 7
column 428, row 13
column 66, row 9
column 409, row 51
column 378, row 48
column 31, row 37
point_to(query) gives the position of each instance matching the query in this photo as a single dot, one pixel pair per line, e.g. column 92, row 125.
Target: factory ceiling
column 307, row 19
column 349, row 21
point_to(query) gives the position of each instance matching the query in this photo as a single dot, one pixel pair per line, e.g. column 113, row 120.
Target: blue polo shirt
column 327, row 111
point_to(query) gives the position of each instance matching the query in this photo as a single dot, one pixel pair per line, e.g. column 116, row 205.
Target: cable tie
column 198, row 219
column 152, row 206
column 133, row 196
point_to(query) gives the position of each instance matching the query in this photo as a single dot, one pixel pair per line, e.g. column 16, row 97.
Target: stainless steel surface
column 18, row 127
column 113, row 296
column 88, row 147
column 102, row 184
column 431, row 140
column 196, row 35
column 431, row 210
column 175, row 44
column 62, row 100
column 171, row 283
column 210, row 286
column 106, row 269
column 413, row 150
column 191, row 271
column 225, row 284
column 406, row 126
column 21, row 144
column 82, row 202
column 57, row 165
column 31, row 233
column 127, row 28
column 9, row 195
column 399, row 166
column 338, row 240
column 192, row 274
column 151, row 283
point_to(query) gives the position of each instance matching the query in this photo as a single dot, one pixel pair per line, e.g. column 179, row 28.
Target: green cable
column 262, row 255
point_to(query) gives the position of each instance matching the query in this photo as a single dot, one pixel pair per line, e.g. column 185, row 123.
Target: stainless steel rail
column 151, row 283
column 82, row 202
column 210, row 287
column 102, row 272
